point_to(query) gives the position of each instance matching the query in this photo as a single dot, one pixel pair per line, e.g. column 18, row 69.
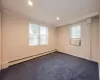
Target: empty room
column 49, row 40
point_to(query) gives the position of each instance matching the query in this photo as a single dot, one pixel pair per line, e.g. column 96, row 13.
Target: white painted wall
column 15, row 38
column 95, row 39
column 99, row 38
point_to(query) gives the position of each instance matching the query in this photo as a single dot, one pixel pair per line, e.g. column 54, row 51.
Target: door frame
column 0, row 41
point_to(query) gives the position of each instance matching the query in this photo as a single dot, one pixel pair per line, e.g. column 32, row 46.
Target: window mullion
column 39, row 36
column 46, row 35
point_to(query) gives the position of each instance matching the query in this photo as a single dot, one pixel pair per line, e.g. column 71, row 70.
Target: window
column 76, row 35
column 38, row 35
column 76, row 32
column 33, row 34
column 43, row 35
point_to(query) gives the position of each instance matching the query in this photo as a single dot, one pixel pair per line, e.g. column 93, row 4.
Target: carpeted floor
column 55, row 66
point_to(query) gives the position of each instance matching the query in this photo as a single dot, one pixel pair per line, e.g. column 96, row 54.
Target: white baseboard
column 77, row 56
column 6, row 65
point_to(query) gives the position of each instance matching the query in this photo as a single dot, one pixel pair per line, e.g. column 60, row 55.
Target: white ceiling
column 48, row 10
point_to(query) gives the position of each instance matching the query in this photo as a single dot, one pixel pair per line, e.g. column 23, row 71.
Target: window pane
column 33, row 40
column 43, row 30
column 34, row 29
column 43, row 40
column 33, row 34
column 76, row 32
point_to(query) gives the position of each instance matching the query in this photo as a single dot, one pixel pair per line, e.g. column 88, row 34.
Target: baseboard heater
column 6, row 65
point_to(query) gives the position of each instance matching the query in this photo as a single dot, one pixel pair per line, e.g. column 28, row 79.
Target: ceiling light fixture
column 30, row 2
column 58, row 18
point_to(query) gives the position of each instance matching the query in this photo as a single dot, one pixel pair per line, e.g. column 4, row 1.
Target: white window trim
column 75, row 25
column 75, row 41
column 39, row 42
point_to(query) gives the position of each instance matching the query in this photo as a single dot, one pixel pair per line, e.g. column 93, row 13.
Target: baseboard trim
column 6, row 65
column 77, row 56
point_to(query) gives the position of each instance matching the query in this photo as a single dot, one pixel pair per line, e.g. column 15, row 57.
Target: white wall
column 15, row 38
column 89, row 43
column 99, row 38
column 95, row 39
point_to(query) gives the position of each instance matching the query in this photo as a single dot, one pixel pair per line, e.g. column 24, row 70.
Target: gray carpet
column 55, row 66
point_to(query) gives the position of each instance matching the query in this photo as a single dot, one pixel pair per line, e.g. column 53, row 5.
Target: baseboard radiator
column 6, row 65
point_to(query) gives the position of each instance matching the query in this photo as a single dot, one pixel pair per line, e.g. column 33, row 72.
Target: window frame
column 44, row 35
column 75, row 39
column 39, row 35
column 76, row 25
